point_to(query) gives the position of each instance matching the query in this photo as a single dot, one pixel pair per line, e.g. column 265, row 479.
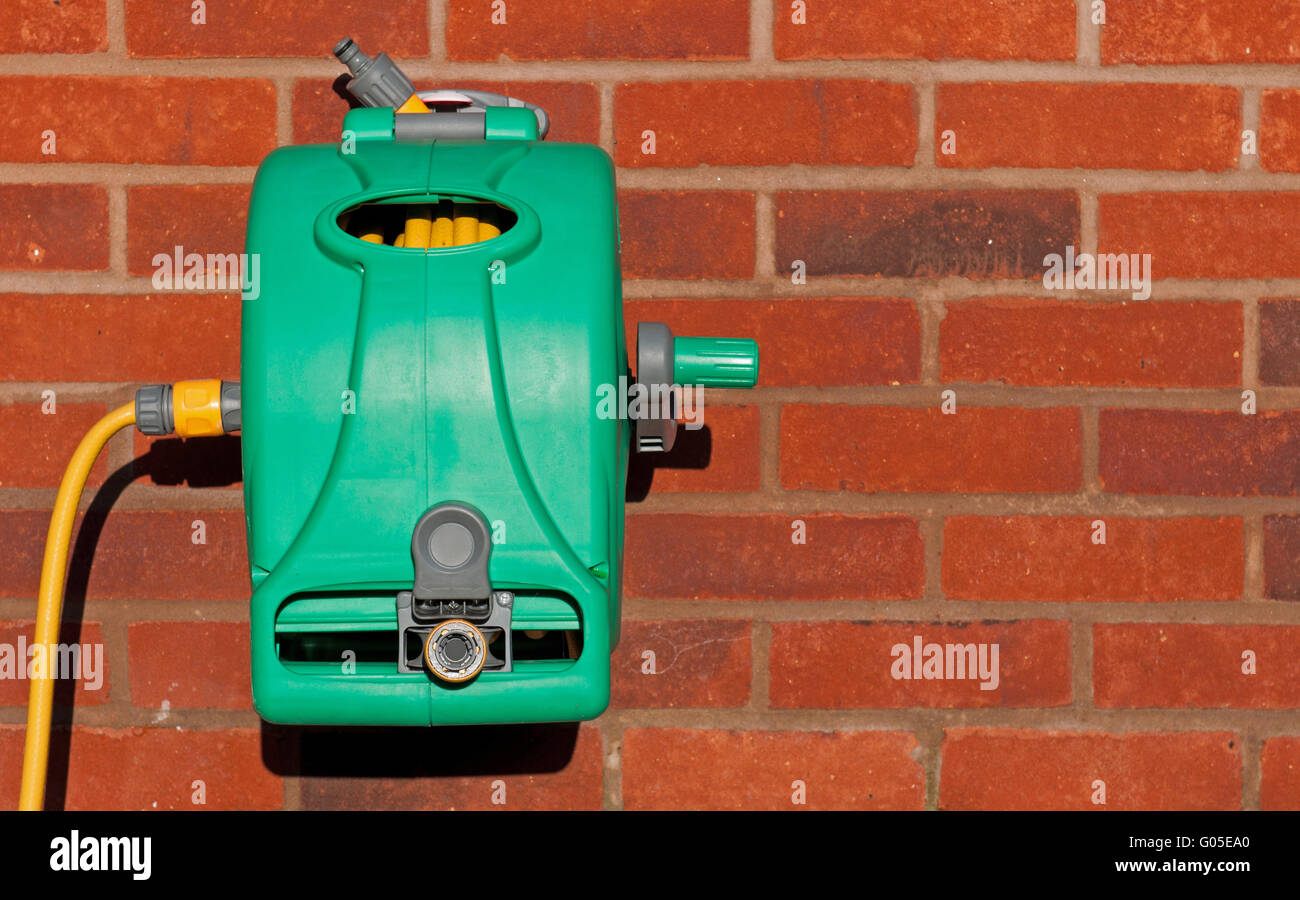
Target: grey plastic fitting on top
column 376, row 81
column 474, row 103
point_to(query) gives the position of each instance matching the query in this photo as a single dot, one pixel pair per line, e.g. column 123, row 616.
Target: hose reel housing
column 434, row 508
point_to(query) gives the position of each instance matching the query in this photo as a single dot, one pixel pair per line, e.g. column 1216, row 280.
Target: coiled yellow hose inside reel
column 427, row 226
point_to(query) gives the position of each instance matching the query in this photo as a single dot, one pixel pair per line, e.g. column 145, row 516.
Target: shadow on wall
column 409, row 768
column 340, row 87
column 692, row 450
column 216, row 462
column 202, row 462
column 401, row 753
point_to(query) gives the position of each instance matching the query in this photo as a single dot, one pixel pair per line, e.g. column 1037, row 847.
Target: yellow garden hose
column 187, row 409
column 40, row 703
column 426, row 226
column 419, row 226
column 464, row 230
column 442, row 230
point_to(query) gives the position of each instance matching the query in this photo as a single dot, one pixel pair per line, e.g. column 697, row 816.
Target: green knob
column 715, row 362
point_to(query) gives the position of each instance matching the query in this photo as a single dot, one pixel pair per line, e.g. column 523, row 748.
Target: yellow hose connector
column 49, row 599
column 196, row 407
column 188, row 409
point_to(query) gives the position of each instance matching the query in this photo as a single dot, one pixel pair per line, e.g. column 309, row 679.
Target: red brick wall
column 820, row 142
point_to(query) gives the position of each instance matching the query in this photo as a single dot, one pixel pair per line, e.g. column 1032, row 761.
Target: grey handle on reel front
column 463, row 102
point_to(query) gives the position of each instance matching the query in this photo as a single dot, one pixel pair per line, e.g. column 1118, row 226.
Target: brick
column 36, row 447
column 1205, row 234
column 1032, row 669
column 1279, row 783
column 696, row 663
column 40, row 26
column 713, row 123
column 977, row 450
column 992, row 768
column 1028, row 558
column 1279, row 341
column 1200, row 31
column 924, row 234
column 85, row 681
column 927, row 29
column 1282, row 557
column 115, row 338
column 593, row 29
column 164, row 28
column 213, row 221
column 675, row 768
column 149, row 768
column 206, row 462
column 319, row 105
column 542, row 767
column 126, row 546
column 1279, row 130
column 1060, row 343
column 53, row 226
column 317, row 110
column 163, row 121
column 691, row 557
column 1200, row 453
column 1182, row 666
column 1042, row 125
column 721, row 456
column 189, row 665
column 687, row 234
column 799, row 339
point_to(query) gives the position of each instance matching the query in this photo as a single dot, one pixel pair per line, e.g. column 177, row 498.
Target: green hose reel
column 434, row 500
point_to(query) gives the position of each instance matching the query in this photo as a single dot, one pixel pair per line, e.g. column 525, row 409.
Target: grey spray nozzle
column 350, row 55
column 376, row 81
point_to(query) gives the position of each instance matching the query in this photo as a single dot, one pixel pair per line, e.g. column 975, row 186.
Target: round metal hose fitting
column 455, row 651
